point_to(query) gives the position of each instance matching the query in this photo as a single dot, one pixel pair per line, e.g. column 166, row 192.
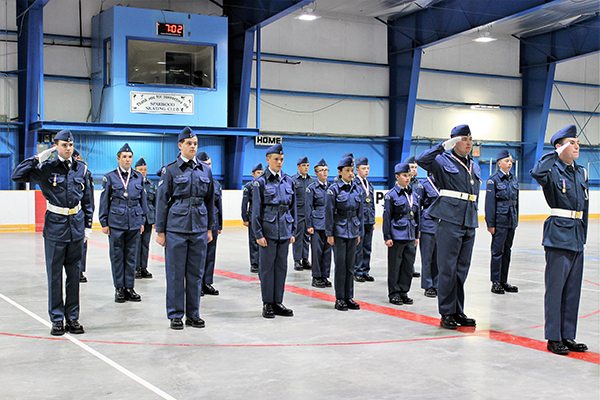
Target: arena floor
column 380, row 352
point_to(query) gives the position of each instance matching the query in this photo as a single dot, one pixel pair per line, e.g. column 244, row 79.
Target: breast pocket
column 57, row 182
column 450, row 168
column 270, row 195
column 181, row 185
column 288, row 195
column 342, row 198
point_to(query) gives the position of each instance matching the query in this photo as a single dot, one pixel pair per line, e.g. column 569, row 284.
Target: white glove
column 562, row 148
column 44, row 155
column 88, row 233
column 450, row 143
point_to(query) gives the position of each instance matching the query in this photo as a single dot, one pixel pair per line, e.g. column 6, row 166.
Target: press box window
column 161, row 63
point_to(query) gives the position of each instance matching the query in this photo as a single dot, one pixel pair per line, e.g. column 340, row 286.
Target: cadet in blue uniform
column 122, row 212
column 216, row 228
column 141, row 270
column 565, row 187
column 301, row 238
column 502, row 217
column 90, row 182
column 418, row 189
column 274, row 224
column 316, row 201
column 362, row 264
column 427, row 245
column 344, row 228
column 401, row 234
column 247, row 217
column 184, row 215
column 65, row 186
column 458, row 179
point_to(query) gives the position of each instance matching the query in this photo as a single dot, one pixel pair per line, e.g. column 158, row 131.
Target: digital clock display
column 166, row 29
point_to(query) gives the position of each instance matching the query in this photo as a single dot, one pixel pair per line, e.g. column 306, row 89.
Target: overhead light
column 308, row 13
column 484, row 37
column 485, row 106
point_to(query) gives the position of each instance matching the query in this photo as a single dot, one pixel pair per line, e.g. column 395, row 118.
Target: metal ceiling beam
column 539, row 55
column 408, row 35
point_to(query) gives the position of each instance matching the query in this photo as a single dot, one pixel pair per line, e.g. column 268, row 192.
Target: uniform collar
column 182, row 160
column 270, row 173
column 341, row 183
column 400, row 189
column 562, row 165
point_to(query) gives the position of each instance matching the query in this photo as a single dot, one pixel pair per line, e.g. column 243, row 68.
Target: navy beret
column 125, row 149
column 569, row 131
column 411, row 160
column 302, row 160
column 321, row 163
column 186, row 133
column 348, row 155
column 362, row 161
column 140, row 163
column 203, row 156
column 502, row 154
column 401, row 168
column 275, row 149
column 345, row 162
column 257, row 167
column 460, row 130
column 65, row 135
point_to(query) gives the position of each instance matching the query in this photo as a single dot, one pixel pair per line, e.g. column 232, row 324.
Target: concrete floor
column 380, row 352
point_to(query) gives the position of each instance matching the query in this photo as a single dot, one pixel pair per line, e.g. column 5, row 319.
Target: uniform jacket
column 300, row 185
column 218, row 218
column 369, row 202
column 273, row 207
column 247, row 202
column 316, row 202
column 427, row 223
column 117, row 210
column 400, row 218
column 344, row 212
column 61, row 187
column 151, row 198
column 502, row 201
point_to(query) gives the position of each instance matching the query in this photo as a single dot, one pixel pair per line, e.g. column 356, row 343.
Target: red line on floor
column 590, row 314
column 591, row 282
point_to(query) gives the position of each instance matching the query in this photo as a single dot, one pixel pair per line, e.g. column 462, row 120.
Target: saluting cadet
column 216, row 227
column 565, row 186
column 122, row 212
column 141, row 270
column 184, row 215
column 427, row 243
column 274, row 224
column 90, row 182
column 69, row 209
column 362, row 264
column 316, row 202
column 247, row 217
column 502, row 218
column 301, row 238
column 417, row 188
column 458, row 179
column 344, row 228
column 401, row 234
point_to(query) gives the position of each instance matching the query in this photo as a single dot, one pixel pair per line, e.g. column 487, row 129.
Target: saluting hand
column 450, row 143
column 44, row 155
column 563, row 148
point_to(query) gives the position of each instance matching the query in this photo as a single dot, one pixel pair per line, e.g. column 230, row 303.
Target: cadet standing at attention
column 301, row 237
column 362, row 264
column 274, row 224
column 122, row 212
column 70, row 205
column 344, row 228
column 142, row 262
column 427, row 245
column 247, row 217
column 217, row 226
column 184, row 215
column 502, row 218
column 316, row 201
column 401, row 234
column 565, row 186
column 458, row 178
column 418, row 189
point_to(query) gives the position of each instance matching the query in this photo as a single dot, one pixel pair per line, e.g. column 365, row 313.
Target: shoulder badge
column 256, row 183
column 329, row 191
column 307, row 190
column 491, row 181
column 386, row 197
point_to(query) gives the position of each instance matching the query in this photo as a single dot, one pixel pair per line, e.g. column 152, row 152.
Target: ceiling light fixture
column 308, row 13
column 485, row 107
column 484, row 36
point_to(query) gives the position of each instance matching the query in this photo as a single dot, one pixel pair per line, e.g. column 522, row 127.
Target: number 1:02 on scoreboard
column 163, row 28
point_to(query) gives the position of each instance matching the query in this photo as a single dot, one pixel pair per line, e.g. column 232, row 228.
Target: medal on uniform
column 368, row 200
column 469, row 169
column 54, row 183
column 564, row 189
column 126, row 194
column 125, row 183
column 410, row 203
column 472, row 182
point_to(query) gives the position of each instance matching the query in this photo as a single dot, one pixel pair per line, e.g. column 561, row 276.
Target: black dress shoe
column 177, row 324
column 268, row 311
column 396, row 300
column 254, row 269
column 497, row 288
column 281, row 310
column 298, row 266
column 210, row 290
column 58, row 329
column 145, row 273
column 138, row 273
column 463, row 320
column 352, row 305
column 306, row 264
column 574, row 346
column 557, row 347
column 74, row 327
column 431, row 292
column 406, row 299
column 448, row 322
column 369, row 278
column 359, row 278
column 341, row 305
column 195, row 322
column 510, row 288
column 416, row 274
column 327, row 282
column 131, row 295
column 120, row 295
column 318, row 283
column 82, row 278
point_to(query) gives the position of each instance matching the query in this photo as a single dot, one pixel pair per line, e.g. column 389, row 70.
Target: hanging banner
column 161, row 103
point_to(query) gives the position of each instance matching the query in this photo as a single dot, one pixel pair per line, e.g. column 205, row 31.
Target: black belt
column 192, row 200
column 346, row 213
column 280, row 208
column 122, row 202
